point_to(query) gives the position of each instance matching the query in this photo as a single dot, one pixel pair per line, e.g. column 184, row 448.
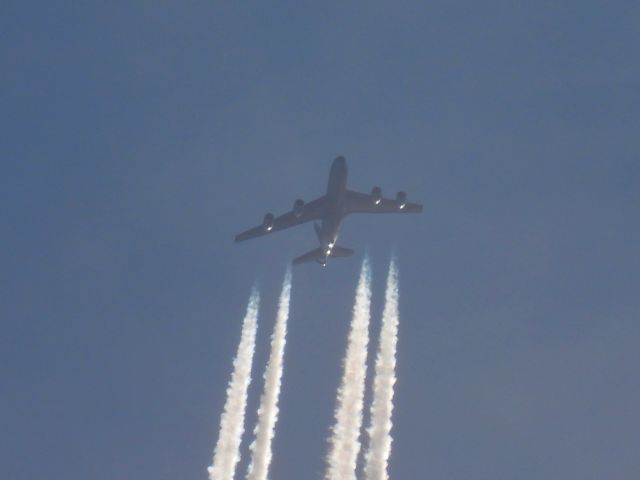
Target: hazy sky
column 137, row 138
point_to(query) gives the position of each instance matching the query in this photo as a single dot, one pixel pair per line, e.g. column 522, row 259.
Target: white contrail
column 227, row 452
column 345, row 438
column 377, row 457
column 268, row 411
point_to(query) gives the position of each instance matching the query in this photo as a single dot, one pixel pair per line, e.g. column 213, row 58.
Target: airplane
column 330, row 210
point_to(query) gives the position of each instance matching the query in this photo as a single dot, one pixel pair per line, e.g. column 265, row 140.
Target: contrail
column 268, row 411
column 377, row 457
column 227, row 452
column 345, row 438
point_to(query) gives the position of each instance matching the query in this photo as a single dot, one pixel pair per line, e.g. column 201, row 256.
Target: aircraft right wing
column 356, row 202
column 313, row 210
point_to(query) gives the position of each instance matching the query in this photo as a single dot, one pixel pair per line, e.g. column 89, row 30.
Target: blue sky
column 137, row 140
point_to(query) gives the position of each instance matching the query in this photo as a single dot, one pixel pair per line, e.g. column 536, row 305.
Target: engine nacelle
column 298, row 208
column 376, row 195
column 401, row 200
column 268, row 222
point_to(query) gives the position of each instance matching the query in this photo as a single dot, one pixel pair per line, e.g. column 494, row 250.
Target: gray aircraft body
column 330, row 209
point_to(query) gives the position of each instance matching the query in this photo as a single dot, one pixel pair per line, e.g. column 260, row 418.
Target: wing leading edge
column 314, row 210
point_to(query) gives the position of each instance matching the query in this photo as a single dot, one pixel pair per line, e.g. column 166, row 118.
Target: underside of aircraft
column 330, row 210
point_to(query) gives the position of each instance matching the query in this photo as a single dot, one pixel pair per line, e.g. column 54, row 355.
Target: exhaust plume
column 345, row 437
column 227, row 451
column 268, row 411
column 377, row 457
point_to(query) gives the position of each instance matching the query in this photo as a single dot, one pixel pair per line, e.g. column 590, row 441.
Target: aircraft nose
column 339, row 165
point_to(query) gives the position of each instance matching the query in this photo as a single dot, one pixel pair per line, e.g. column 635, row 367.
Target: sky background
column 137, row 138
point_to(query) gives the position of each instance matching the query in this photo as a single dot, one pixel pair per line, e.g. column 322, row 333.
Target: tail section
column 313, row 255
column 320, row 255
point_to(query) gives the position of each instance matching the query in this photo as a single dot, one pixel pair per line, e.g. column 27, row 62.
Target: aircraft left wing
column 313, row 210
column 356, row 202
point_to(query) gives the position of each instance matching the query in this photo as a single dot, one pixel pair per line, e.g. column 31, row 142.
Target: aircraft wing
column 313, row 210
column 356, row 202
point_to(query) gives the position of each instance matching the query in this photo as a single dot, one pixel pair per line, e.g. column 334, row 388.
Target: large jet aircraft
column 330, row 209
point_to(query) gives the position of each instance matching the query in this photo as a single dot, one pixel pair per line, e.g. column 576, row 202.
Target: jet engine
column 401, row 200
column 376, row 195
column 298, row 208
column 268, row 222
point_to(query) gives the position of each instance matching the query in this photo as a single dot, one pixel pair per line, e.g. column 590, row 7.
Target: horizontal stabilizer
column 318, row 255
column 341, row 252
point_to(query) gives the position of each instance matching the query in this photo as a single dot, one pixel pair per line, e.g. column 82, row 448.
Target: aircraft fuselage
column 336, row 188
